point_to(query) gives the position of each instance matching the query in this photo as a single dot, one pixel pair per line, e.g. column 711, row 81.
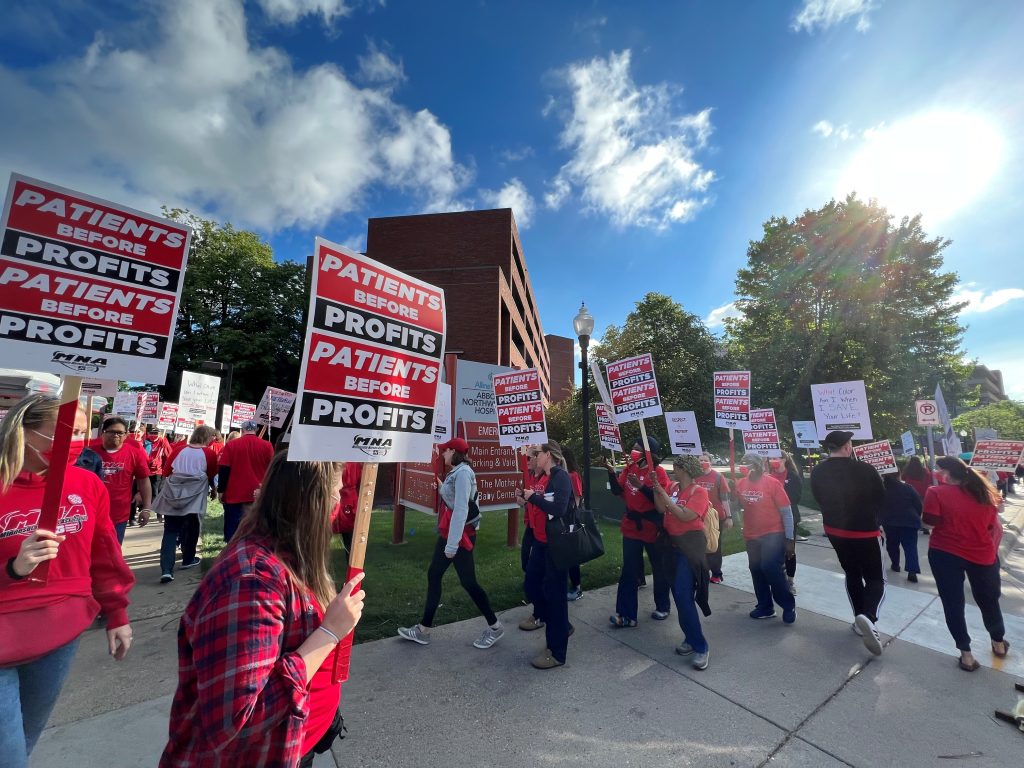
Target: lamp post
column 583, row 324
column 215, row 366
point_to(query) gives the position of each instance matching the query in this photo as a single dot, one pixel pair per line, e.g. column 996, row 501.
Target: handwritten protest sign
column 197, row 399
column 682, row 433
column 842, row 405
column 273, row 407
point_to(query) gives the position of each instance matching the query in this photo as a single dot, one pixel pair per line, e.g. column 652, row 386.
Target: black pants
column 546, row 590
column 861, row 560
column 466, row 569
column 949, row 570
column 185, row 529
column 526, row 546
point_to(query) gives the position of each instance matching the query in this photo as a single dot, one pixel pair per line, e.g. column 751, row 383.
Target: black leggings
column 466, row 569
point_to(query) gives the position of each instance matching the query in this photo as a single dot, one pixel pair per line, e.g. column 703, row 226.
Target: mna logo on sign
column 83, row 363
column 373, row 446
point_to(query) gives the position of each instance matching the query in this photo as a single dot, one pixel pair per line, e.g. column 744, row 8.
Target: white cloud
column 632, row 159
column 827, row 130
column 823, row 14
column 515, row 155
column 203, row 117
column 377, row 67
column 978, row 301
column 513, row 195
column 717, row 316
column 290, row 11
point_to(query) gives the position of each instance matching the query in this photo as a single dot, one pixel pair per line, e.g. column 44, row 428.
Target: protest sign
column 89, row 286
column 732, row 399
column 763, row 436
column 149, row 407
column 633, row 389
column 599, row 382
column 607, row 429
column 99, row 388
column 168, row 417
column 998, row 455
column 805, row 434
column 370, row 363
column 520, row 408
column 985, row 433
column 879, row 455
column 225, row 419
column 927, row 413
column 184, row 425
column 273, row 407
column 443, row 414
column 126, row 405
column 683, row 436
column 197, row 400
column 841, row 405
column 950, row 440
column 241, row 413
column 907, row 438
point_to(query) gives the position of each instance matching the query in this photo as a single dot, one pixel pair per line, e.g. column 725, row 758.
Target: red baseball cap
column 456, row 443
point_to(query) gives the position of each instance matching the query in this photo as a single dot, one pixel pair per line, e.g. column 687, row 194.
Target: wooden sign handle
column 647, row 447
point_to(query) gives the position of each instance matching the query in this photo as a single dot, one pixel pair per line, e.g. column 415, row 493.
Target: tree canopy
column 1006, row 418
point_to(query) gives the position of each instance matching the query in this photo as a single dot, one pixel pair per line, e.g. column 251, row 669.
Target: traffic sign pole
column 931, row 455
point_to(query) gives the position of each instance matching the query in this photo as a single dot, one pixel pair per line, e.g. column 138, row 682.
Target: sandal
column 619, row 622
column 968, row 667
column 1006, row 649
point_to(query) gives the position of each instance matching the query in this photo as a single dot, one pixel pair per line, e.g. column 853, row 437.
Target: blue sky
column 640, row 144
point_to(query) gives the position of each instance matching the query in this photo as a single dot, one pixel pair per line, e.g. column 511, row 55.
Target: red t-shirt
column 120, row 468
column 919, row 484
column 966, row 528
column 248, row 456
column 636, row 501
column 714, row 484
column 345, row 519
column 536, row 517
column 695, row 498
column 324, row 698
column 761, row 502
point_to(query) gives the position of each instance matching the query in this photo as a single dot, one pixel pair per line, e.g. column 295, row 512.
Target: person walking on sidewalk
column 256, row 643
column 787, row 473
column 686, row 505
column 918, row 477
column 768, row 531
column 457, row 525
column 900, row 516
column 40, row 623
column 186, row 490
column 546, row 582
column 570, row 466
column 241, row 466
column 124, row 463
column 849, row 494
column 964, row 512
column 718, row 493
column 642, row 531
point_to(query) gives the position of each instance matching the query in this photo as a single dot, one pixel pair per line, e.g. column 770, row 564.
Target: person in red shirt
column 344, row 520
column 964, row 510
column 123, row 464
column 718, row 493
column 243, row 462
column 640, row 526
column 918, row 477
column 685, row 504
column 768, row 531
column 40, row 623
column 256, row 643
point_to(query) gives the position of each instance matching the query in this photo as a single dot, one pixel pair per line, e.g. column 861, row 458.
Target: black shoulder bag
column 574, row 539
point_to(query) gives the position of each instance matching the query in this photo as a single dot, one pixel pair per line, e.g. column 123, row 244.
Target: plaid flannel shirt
column 242, row 697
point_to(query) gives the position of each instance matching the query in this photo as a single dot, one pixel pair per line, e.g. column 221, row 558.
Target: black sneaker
column 195, row 561
column 912, row 577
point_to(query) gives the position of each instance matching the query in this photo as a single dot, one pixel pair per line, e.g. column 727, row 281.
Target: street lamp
column 583, row 324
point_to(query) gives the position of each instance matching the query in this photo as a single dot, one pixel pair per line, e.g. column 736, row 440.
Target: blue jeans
column 766, row 556
column 949, row 571
column 686, row 608
column 27, row 695
column 119, row 529
column 626, row 604
column 185, row 527
column 232, row 517
column 897, row 536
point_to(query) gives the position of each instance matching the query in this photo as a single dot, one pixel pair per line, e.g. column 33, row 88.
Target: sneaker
column 546, row 661
column 685, row 649
column 489, row 637
column 792, row 585
column 856, row 630
column 912, row 577
column 659, row 615
column 759, row 613
column 801, row 537
column 415, row 634
column 166, row 578
column 195, row 561
column 868, row 632
column 531, row 623
column 788, row 615
column 717, row 579
column 574, row 594
column 700, row 660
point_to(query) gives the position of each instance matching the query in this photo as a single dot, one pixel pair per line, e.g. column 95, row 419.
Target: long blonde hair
column 294, row 511
column 30, row 413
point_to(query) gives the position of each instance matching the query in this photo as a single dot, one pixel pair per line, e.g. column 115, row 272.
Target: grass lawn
column 396, row 576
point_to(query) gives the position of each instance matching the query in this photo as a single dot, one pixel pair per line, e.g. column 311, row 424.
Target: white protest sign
column 225, row 419
column 633, row 389
column 599, row 382
column 90, row 286
column 443, row 414
column 99, row 387
column 520, row 407
column 805, row 434
column 907, row 438
column 241, row 413
column 763, row 436
column 273, row 407
column 841, row 405
column 682, row 433
column 950, row 440
column 168, row 417
column 998, row 455
column 985, row 433
column 732, row 399
column 197, row 400
column 126, row 405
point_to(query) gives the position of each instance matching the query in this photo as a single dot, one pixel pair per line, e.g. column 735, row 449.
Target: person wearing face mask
column 123, row 463
column 40, row 623
column 718, row 493
column 642, row 530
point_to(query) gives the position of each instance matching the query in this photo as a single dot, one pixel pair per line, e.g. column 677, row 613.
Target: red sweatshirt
column 89, row 572
column 351, row 476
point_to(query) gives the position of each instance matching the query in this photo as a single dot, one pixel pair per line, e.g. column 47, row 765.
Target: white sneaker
column 700, row 660
column 856, row 630
column 489, row 637
column 415, row 634
column 685, row 649
column 868, row 632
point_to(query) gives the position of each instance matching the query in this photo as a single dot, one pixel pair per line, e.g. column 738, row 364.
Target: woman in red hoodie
column 40, row 622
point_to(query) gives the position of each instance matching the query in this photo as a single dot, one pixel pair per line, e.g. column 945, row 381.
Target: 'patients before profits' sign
column 732, row 399
column 763, row 436
column 879, row 455
column 520, row 408
column 607, row 429
column 371, row 362
column 633, row 389
column 997, row 455
column 87, row 287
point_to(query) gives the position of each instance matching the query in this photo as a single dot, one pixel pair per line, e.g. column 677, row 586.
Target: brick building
column 477, row 258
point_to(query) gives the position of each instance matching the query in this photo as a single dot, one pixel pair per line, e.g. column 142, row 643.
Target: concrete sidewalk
column 806, row 695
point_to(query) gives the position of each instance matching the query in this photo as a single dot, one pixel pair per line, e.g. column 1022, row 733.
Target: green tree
column 1005, row 417
column 238, row 306
column 842, row 293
